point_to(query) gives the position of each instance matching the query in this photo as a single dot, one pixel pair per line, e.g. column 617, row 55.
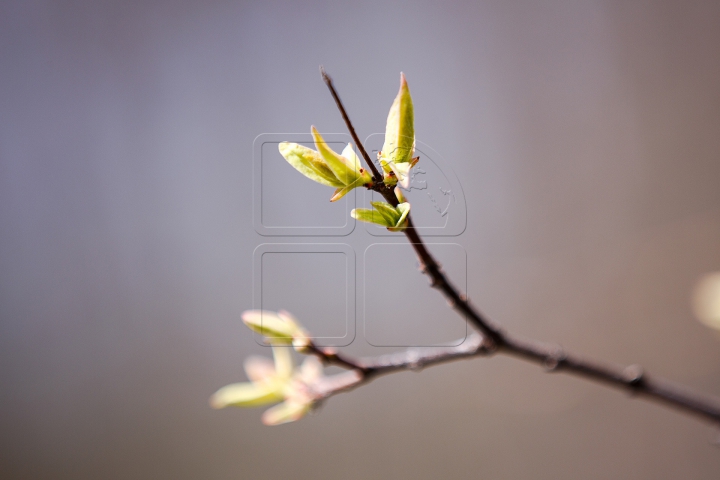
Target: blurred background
column 586, row 136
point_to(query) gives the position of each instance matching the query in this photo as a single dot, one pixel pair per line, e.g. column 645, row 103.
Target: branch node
column 634, row 376
column 554, row 360
column 413, row 359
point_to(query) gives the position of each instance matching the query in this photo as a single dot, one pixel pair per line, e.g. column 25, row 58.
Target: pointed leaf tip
column 399, row 144
column 267, row 323
column 246, row 394
column 308, row 162
column 344, row 169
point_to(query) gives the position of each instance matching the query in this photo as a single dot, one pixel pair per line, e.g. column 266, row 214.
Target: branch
column 495, row 340
column 377, row 178
column 365, row 370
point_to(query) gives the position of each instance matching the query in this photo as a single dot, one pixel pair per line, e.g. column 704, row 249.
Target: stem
column 495, row 340
column 332, row 357
column 631, row 378
column 367, row 369
column 377, row 178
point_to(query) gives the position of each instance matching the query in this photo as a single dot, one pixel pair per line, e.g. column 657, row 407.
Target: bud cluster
column 343, row 171
column 278, row 382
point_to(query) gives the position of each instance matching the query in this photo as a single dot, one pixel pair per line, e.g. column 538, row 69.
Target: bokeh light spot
column 706, row 300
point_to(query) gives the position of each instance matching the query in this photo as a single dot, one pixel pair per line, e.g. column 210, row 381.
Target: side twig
column 365, row 370
column 377, row 177
column 495, row 340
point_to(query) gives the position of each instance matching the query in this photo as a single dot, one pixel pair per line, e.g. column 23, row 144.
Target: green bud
column 392, row 218
column 399, row 145
column 388, row 212
column 389, row 177
column 327, row 167
column 268, row 382
column 343, row 168
column 277, row 329
column 402, row 222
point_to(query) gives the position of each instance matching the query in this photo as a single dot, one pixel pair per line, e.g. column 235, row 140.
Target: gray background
column 587, row 139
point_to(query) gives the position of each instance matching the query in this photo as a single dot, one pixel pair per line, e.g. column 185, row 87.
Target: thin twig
column 412, row 359
column 332, row 357
column 496, row 340
column 631, row 379
column 367, row 369
column 377, row 178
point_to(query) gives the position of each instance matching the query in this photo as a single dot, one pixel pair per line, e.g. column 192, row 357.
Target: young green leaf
column 392, row 218
column 399, row 144
column 247, row 394
column 275, row 328
column 401, row 224
column 387, row 211
column 343, row 168
column 369, row 216
column 310, row 163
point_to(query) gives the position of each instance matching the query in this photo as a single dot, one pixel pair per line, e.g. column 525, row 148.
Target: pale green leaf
column 309, row 162
column 270, row 325
column 403, row 209
column 370, row 216
column 343, row 169
column 399, row 142
column 402, row 173
column 349, row 154
column 283, row 362
column 387, row 211
column 247, row 394
column 341, row 192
